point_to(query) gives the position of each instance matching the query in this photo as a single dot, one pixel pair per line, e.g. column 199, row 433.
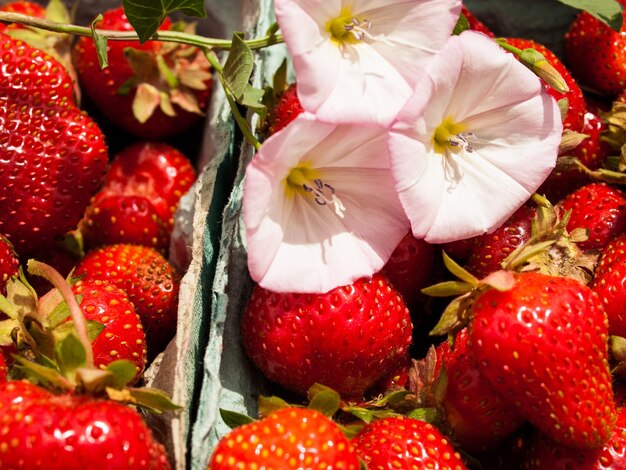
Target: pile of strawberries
column 83, row 321
column 523, row 368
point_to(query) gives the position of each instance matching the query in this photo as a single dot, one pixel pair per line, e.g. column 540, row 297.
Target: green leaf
column 94, row 328
column 101, row 43
column 447, row 289
column 123, row 372
column 70, row 355
column 238, row 67
column 60, row 313
column 607, row 11
column 279, row 81
column 461, row 25
column 458, row 271
column 147, row 15
column 251, row 99
column 326, row 402
column 269, row 404
column 233, row 419
column 424, row 414
column 42, row 373
column 153, row 399
column 57, row 11
column 362, row 413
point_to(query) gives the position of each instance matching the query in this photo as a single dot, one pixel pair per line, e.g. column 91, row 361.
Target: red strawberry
column 133, row 93
column 24, row 8
column 9, row 264
column 346, row 339
column 405, row 443
column 60, row 259
column 595, row 54
column 608, row 283
column 3, row 368
column 52, row 156
column 574, row 118
column 72, row 431
column 289, row 438
column 410, row 267
column 478, row 418
column 285, row 110
column 543, row 346
column 148, row 280
column 490, row 250
column 599, row 208
column 123, row 336
column 475, row 24
column 123, row 219
column 459, row 250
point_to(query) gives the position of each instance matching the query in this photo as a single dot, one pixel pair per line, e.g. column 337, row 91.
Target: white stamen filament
column 463, row 140
column 359, row 29
column 325, row 195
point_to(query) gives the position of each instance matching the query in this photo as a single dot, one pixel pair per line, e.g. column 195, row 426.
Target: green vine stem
column 165, row 36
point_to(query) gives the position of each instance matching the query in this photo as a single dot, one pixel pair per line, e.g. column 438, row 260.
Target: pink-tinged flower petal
column 512, row 130
column 297, row 245
column 366, row 80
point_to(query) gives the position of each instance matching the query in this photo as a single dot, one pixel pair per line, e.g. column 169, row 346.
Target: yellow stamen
column 446, row 131
column 339, row 28
column 298, row 177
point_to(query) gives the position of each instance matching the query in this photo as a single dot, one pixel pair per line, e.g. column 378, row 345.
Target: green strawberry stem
column 48, row 272
column 165, row 36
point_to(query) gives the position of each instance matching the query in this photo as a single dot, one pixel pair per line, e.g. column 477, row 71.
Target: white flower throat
column 303, row 180
column 349, row 28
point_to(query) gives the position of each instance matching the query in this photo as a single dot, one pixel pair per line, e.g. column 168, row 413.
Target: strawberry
column 148, row 280
column 52, row 156
column 113, row 219
column 542, row 344
column 24, row 8
column 410, row 267
column 72, row 431
column 123, row 336
column 153, row 90
column 3, row 368
column 477, row 417
column 288, row 438
column 475, row 24
column 346, row 339
column 9, row 264
column 574, row 119
column 490, row 250
column 595, row 54
column 286, row 109
column 608, row 284
column 405, row 443
column 599, row 208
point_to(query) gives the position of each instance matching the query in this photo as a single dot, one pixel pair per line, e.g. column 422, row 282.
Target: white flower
column 319, row 207
column 477, row 138
column 357, row 61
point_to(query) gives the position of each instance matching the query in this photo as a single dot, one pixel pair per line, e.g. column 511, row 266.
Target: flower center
column 306, row 181
column 449, row 136
column 348, row 28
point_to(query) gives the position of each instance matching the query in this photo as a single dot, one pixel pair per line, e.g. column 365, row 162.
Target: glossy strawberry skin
column 574, row 119
column 491, row 249
column 543, row 346
column 478, row 417
column 148, row 280
column 596, row 54
column 475, row 24
column 405, row 443
column 347, row 339
column 286, row 109
column 608, row 282
column 3, row 368
column 68, row 431
column 9, row 264
column 289, row 438
column 599, row 208
column 24, row 8
column 52, row 156
column 123, row 336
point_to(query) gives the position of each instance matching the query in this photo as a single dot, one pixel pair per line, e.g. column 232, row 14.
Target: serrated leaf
column 153, row 399
column 461, row 25
column 70, row 355
column 123, row 372
column 238, row 67
column 233, row 419
column 101, row 44
column 147, row 15
column 269, row 404
column 326, row 402
column 607, row 11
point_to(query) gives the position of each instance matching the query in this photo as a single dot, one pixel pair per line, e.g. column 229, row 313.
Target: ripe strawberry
column 477, row 417
column 599, row 208
column 288, row 438
column 410, row 267
column 113, row 219
column 3, row 368
column 72, row 431
column 490, row 250
column 286, row 109
column 148, row 280
column 133, row 92
column 574, row 119
column 123, row 336
column 52, row 156
column 405, row 443
column 543, row 345
column 608, row 283
column 9, row 264
column 595, row 54
column 475, row 24
column 24, row 8
column 346, row 339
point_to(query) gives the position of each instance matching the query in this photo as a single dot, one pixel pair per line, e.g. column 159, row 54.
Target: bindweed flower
column 477, row 138
column 319, row 207
column 357, row 61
